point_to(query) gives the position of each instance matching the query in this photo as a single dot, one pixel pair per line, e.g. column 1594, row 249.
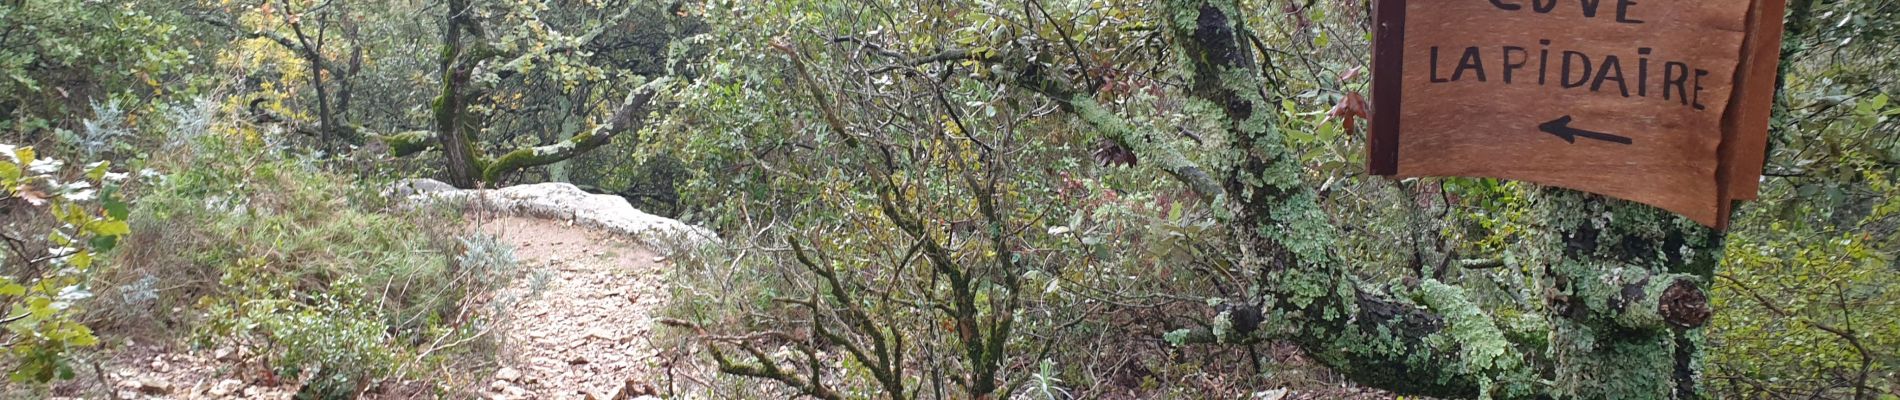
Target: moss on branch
column 1624, row 279
column 629, row 117
column 405, row 144
column 1625, row 296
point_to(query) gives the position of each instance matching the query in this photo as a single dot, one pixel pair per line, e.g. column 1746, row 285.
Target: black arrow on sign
column 1561, row 128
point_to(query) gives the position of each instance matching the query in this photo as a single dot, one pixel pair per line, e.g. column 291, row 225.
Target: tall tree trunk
column 326, row 118
column 451, row 108
column 313, row 56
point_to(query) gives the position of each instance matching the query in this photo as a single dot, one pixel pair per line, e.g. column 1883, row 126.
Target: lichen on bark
column 408, row 143
column 1624, row 296
column 1623, row 280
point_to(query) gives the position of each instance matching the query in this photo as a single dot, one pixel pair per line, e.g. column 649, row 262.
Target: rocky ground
column 576, row 321
column 581, row 327
column 575, row 325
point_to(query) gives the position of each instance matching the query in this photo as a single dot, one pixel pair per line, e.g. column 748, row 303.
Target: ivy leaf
column 98, row 171
column 9, row 172
column 116, row 209
column 104, row 243
column 82, row 259
column 113, row 228
column 1872, row 105
column 23, row 156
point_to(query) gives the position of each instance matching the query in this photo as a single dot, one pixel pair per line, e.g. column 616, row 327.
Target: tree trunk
column 450, row 108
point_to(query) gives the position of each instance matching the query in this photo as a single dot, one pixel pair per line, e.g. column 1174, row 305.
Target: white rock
column 156, row 387
column 603, row 334
column 565, row 202
column 411, row 187
column 508, row 374
column 226, row 387
column 1275, row 394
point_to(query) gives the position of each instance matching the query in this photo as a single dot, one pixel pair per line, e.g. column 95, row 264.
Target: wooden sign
column 1663, row 102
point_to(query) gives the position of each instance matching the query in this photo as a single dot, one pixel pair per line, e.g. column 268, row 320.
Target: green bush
column 58, row 223
column 311, row 270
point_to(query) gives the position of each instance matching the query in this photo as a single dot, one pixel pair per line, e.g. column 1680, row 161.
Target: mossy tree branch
column 885, row 358
column 1426, row 338
column 629, row 117
column 764, row 366
column 1624, row 298
column 1421, row 337
column 1626, row 279
column 983, row 330
column 1029, row 76
column 464, row 48
column 404, row 144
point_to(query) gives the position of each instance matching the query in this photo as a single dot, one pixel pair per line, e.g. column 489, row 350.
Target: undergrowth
column 312, row 276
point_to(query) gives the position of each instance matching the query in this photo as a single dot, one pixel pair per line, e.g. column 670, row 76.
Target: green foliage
column 848, row 143
column 1044, row 385
column 57, row 56
column 1808, row 287
column 1807, row 293
column 305, row 268
column 1063, row 236
column 60, row 223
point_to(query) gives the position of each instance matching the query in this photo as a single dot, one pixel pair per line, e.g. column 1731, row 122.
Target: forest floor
column 582, row 326
column 575, row 322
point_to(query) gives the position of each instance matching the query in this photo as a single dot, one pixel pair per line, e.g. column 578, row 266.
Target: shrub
column 57, row 224
column 308, row 269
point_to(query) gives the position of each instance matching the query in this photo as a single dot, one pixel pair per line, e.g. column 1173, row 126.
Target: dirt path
column 575, row 323
column 581, row 312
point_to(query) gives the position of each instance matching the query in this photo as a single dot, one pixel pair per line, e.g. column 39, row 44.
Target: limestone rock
column 604, row 334
column 565, row 202
column 155, row 387
column 508, row 374
column 226, row 387
column 413, row 187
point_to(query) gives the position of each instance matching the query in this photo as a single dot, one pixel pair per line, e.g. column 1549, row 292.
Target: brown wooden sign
column 1663, row 102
